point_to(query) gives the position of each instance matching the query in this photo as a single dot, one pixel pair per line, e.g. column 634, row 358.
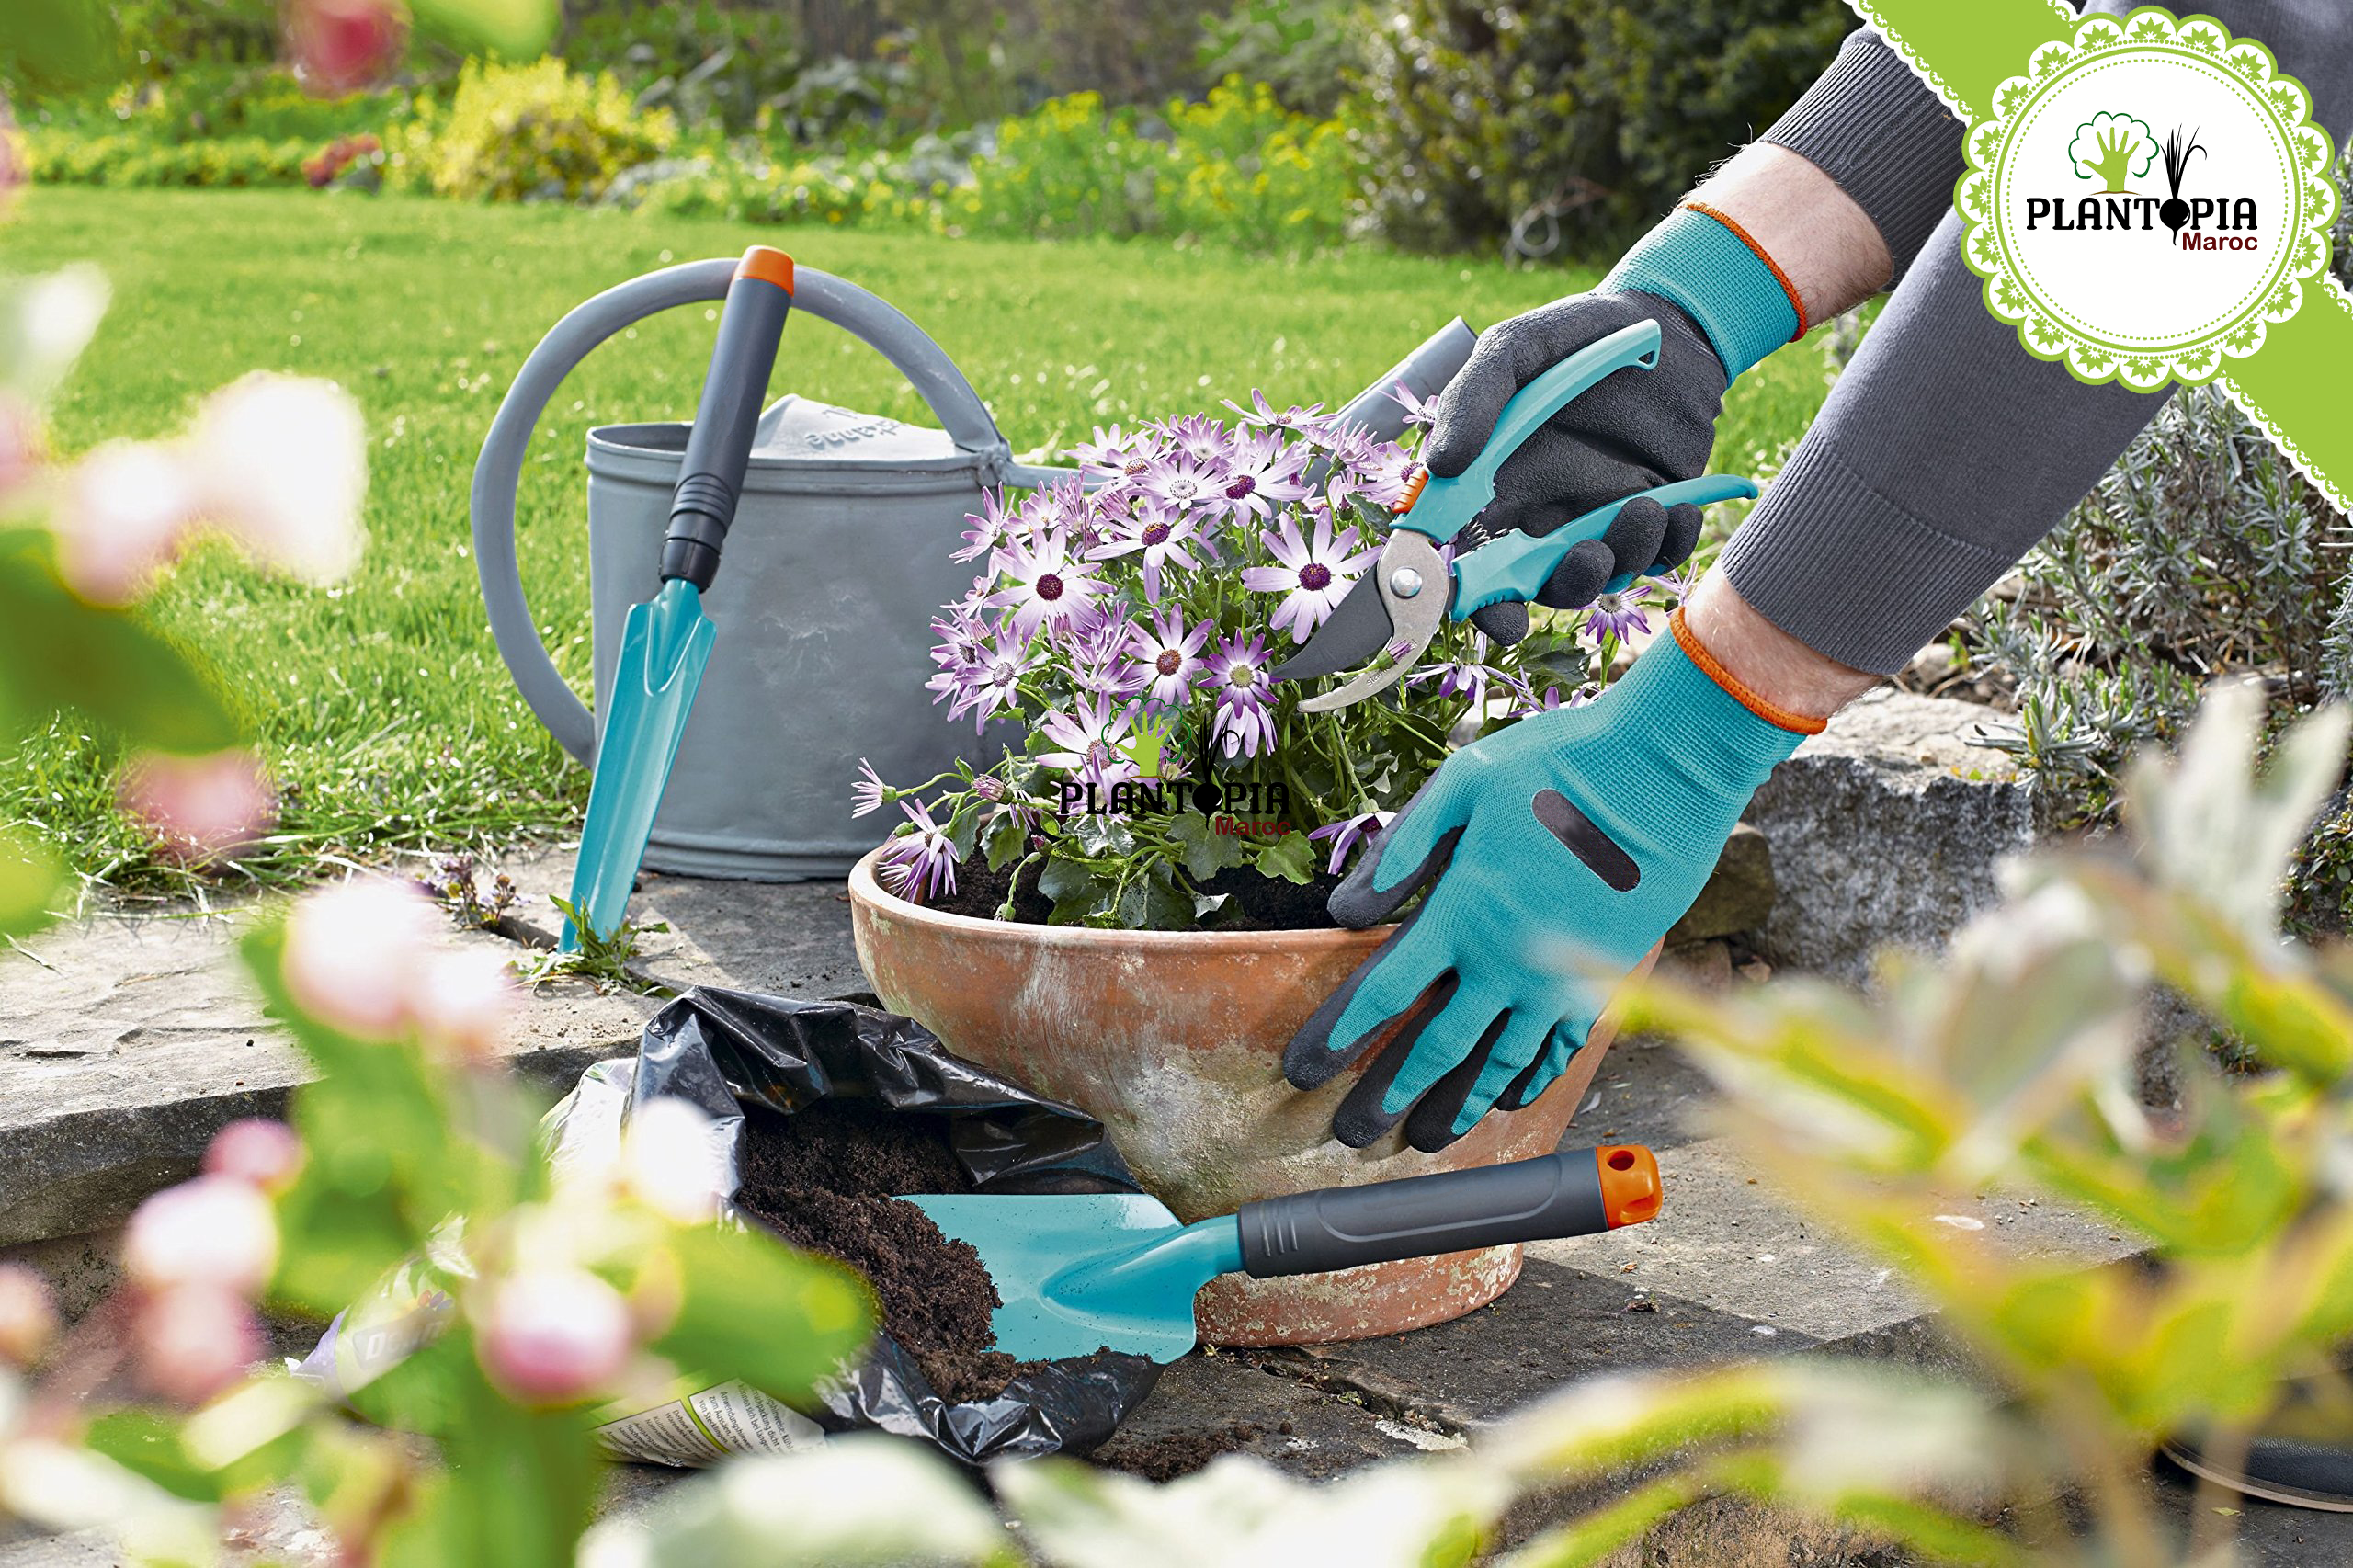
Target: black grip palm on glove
column 1632, row 431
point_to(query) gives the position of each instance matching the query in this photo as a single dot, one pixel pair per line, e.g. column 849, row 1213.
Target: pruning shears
column 1414, row 587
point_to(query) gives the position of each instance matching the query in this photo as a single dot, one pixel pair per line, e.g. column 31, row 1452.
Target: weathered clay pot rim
column 865, row 886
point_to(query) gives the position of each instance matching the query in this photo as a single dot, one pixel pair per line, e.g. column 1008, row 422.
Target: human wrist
column 1705, row 264
column 1784, row 674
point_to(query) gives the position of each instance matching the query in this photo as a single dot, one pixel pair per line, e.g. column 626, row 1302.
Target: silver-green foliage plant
column 2005, row 1070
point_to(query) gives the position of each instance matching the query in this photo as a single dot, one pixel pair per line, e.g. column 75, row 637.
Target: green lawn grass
column 381, row 705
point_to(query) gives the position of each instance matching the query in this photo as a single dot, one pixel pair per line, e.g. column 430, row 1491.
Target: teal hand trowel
column 1086, row 1271
column 666, row 640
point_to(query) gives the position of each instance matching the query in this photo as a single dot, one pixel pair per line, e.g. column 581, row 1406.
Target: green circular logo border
column 2158, row 32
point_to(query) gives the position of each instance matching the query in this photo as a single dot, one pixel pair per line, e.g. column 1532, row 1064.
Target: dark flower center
column 1315, row 575
column 1049, row 587
column 1241, row 488
column 1168, row 661
column 1155, row 533
column 1099, row 753
column 1002, row 672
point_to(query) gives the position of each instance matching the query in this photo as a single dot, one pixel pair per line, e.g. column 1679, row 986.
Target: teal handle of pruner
column 1516, row 565
column 1444, row 506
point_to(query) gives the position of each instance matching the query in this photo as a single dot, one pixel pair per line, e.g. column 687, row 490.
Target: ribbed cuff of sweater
column 1907, row 580
column 1883, row 135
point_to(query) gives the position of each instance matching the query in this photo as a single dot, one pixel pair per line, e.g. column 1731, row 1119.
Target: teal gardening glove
column 1556, row 853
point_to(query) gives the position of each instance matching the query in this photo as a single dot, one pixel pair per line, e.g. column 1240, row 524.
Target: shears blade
column 1357, row 628
column 1413, row 588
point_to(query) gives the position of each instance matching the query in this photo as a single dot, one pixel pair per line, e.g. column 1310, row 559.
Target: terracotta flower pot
column 1174, row 1041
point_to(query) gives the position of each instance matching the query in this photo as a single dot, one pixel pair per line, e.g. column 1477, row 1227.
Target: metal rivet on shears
column 1404, row 582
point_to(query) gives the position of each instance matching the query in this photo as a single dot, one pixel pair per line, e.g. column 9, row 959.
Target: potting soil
column 1254, row 902
column 829, row 1180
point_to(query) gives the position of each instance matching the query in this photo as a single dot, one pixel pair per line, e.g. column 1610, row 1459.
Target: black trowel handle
column 1573, row 1193
column 719, row 445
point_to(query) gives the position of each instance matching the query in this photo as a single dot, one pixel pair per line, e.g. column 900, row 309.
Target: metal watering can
column 838, row 559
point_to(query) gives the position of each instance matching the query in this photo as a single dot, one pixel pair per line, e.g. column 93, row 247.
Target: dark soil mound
column 1179, row 1453
column 1253, row 902
column 828, row 1180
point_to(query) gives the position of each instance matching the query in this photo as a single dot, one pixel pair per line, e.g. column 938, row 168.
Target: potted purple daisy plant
column 1125, row 911
column 1118, row 634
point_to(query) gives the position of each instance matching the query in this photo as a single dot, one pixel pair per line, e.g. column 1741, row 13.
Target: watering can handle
column 934, row 376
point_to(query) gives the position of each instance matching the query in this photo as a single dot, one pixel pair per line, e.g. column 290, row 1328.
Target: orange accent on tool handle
column 1630, row 1187
column 1404, row 503
column 768, row 265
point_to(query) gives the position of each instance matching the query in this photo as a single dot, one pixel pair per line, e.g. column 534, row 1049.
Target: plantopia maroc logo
column 2119, row 153
column 1164, row 764
column 2147, row 199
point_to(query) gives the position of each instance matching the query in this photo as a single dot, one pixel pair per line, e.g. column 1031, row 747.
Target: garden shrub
column 542, row 129
column 1305, row 50
column 135, row 160
column 1236, row 168
column 1564, row 128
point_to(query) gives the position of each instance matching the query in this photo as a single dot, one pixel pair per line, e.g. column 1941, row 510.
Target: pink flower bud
column 257, row 1152
column 282, row 462
column 555, row 1335
column 468, row 999
column 215, row 1231
column 199, row 806
column 356, row 951
column 341, row 46
column 193, row 1341
column 126, row 506
column 28, row 1314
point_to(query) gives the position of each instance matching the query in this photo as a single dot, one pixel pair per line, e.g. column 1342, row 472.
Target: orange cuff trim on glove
column 1797, row 303
column 1697, row 652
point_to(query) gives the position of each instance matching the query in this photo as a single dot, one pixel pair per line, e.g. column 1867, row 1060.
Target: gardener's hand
column 1634, row 430
column 1556, row 854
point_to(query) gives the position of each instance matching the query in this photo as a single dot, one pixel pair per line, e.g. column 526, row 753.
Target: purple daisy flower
column 1200, row 437
column 1089, row 739
column 1618, row 614
column 991, row 528
column 1346, row 835
column 1180, row 481
column 1047, row 586
column 1261, row 473
column 1466, row 677
column 1421, row 412
column 1164, row 535
column 1111, row 453
column 920, row 864
column 1314, row 576
column 992, row 681
column 1245, row 696
column 1261, row 415
column 1168, row 657
column 868, row 792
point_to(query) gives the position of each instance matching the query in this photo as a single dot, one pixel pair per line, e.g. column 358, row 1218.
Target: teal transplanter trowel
column 666, row 640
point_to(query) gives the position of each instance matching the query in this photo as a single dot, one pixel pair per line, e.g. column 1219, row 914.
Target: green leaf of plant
column 1291, row 857
column 1005, row 842
column 1206, row 851
column 963, row 825
column 148, row 1443
column 1100, row 836
column 754, row 1309
column 60, row 655
column 1080, row 892
column 28, row 884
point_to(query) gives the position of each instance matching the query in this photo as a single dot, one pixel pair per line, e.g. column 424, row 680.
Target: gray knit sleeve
column 1871, row 124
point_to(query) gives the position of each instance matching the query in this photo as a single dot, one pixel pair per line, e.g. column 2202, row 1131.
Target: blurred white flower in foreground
column 281, row 463
column 673, row 1161
column 121, row 517
column 214, row 1230
column 45, row 322
column 199, row 806
column 28, row 1314
column 366, row 957
column 256, row 1150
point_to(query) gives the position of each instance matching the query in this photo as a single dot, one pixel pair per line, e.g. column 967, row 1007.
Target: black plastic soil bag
column 723, row 1049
